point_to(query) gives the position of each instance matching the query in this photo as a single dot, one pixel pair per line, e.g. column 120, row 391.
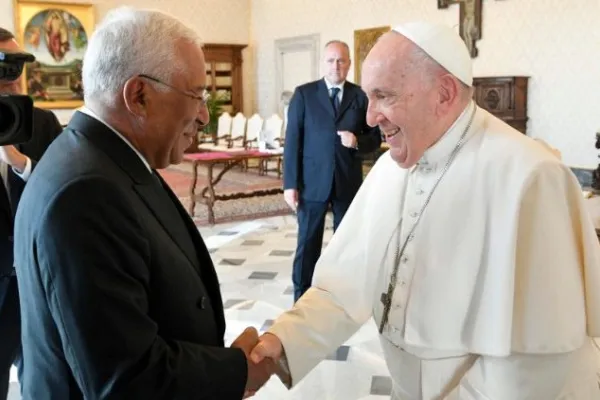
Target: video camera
column 16, row 111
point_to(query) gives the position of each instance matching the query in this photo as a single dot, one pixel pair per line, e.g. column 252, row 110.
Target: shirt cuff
column 26, row 172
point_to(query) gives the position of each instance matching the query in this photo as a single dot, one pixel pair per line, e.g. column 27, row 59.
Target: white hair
column 130, row 42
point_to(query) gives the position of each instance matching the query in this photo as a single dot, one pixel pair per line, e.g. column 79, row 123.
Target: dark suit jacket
column 314, row 157
column 119, row 296
column 45, row 129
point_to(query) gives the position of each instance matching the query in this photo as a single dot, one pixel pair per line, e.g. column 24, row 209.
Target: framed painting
column 364, row 39
column 57, row 35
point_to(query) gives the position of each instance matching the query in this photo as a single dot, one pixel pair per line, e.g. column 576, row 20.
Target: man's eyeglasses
column 203, row 98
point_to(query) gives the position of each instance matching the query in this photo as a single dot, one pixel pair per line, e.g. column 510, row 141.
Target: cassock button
column 402, row 283
column 411, row 237
column 420, row 192
column 414, row 214
column 201, row 303
column 404, row 260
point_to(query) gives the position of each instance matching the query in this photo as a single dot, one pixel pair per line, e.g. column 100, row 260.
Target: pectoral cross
column 386, row 300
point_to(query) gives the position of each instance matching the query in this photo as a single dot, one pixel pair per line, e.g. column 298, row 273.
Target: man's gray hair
column 130, row 42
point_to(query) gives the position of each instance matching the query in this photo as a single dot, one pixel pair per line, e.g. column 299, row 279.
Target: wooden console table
column 229, row 160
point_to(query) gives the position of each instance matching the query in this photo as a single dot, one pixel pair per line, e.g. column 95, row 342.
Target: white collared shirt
column 89, row 112
column 339, row 86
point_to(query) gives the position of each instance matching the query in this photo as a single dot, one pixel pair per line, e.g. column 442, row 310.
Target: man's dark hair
column 6, row 35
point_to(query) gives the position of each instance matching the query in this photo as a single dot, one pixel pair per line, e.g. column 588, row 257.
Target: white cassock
column 498, row 290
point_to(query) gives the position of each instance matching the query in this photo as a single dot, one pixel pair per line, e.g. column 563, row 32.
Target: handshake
column 263, row 356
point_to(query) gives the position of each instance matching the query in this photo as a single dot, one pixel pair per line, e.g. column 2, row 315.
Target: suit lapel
column 349, row 95
column 165, row 211
column 323, row 95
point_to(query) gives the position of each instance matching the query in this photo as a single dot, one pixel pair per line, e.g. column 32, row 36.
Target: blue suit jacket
column 314, row 157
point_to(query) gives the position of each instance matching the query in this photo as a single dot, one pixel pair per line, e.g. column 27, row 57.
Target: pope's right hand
column 291, row 198
column 268, row 346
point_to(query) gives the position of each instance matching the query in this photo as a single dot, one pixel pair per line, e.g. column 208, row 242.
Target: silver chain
column 387, row 297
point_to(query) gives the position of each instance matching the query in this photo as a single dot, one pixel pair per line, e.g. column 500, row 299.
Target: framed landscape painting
column 57, row 35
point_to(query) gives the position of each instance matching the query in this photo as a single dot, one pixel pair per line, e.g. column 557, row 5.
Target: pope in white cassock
column 468, row 243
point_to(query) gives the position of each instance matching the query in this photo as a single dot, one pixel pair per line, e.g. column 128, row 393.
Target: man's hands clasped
column 263, row 356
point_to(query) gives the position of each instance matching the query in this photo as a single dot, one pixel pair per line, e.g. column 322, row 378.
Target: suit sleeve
column 94, row 261
column 292, row 151
column 49, row 128
column 370, row 138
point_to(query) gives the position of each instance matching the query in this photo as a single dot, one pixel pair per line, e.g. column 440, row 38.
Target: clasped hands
column 262, row 355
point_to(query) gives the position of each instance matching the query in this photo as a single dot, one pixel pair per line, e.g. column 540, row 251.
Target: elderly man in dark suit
column 16, row 163
column 119, row 296
column 326, row 136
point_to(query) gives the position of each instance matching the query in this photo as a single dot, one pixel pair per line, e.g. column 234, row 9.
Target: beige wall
column 216, row 21
column 556, row 42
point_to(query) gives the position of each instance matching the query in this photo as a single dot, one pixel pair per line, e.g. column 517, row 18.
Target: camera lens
column 7, row 117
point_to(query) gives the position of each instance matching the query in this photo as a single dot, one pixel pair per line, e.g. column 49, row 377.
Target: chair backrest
column 238, row 125
column 286, row 111
column 254, row 126
column 273, row 129
column 224, row 125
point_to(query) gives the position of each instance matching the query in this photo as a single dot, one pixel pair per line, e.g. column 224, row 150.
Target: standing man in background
column 16, row 164
column 326, row 135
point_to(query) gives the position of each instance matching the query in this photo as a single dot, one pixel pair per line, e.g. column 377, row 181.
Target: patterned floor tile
column 381, row 385
column 227, row 233
column 341, row 354
column 232, row 302
column 282, row 253
column 262, row 275
column 252, row 242
column 232, row 261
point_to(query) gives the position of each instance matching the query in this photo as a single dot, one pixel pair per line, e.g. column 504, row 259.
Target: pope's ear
column 448, row 91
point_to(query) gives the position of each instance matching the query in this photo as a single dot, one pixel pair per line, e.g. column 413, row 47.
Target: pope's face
column 399, row 101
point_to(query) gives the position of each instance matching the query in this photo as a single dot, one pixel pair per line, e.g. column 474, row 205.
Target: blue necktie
column 335, row 101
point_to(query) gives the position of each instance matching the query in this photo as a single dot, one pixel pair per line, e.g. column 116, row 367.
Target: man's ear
column 135, row 94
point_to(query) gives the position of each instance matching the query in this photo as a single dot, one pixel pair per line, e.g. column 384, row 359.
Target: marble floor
column 254, row 262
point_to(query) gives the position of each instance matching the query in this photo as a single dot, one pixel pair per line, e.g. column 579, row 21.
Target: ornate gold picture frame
column 364, row 39
column 57, row 35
